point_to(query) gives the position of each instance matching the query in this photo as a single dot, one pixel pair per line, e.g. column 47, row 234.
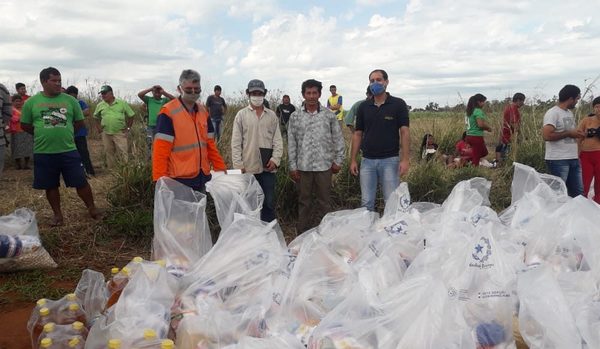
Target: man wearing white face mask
column 184, row 146
column 256, row 144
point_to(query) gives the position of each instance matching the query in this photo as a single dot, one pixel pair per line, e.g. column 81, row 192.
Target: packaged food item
column 20, row 245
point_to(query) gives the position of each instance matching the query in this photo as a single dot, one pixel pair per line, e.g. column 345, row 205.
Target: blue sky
column 433, row 50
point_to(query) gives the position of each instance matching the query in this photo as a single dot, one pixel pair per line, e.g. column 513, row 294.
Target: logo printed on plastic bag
column 481, row 253
column 397, row 228
column 404, row 202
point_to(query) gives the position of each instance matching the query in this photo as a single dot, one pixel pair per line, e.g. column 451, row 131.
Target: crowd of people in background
column 182, row 135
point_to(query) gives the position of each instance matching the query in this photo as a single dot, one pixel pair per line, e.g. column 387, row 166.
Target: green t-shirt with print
column 113, row 117
column 473, row 129
column 154, row 106
column 52, row 119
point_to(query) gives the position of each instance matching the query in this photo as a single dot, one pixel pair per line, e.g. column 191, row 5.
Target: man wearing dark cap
column 116, row 118
column 256, row 144
column 216, row 109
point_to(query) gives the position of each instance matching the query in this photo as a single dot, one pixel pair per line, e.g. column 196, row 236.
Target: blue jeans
column 570, row 172
column 382, row 171
column 267, row 183
column 217, row 127
column 150, row 133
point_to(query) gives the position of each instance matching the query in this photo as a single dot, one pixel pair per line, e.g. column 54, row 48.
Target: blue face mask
column 377, row 88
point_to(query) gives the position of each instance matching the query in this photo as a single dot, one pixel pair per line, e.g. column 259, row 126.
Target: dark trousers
column 267, row 183
column 309, row 213
column 82, row 148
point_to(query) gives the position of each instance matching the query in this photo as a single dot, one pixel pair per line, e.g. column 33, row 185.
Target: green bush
column 132, row 200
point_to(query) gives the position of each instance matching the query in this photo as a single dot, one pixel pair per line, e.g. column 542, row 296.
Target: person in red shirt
column 510, row 126
column 22, row 91
column 21, row 142
column 464, row 152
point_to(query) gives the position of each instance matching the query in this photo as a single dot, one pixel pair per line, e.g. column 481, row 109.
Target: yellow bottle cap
column 44, row 311
column 71, row 297
column 46, row 342
column 167, row 344
column 114, row 271
column 125, row 271
column 114, row 344
column 41, row 302
column 137, row 259
column 49, row 327
column 73, row 307
column 149, row 334
column 77, row 325
column 73, row 342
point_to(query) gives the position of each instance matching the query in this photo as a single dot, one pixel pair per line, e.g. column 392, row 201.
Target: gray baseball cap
column 256, row 85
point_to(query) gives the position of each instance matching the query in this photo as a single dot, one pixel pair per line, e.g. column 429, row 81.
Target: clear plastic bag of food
column 181, row 233
column 235, row 193
column 231, row 288
column 545, row 320
column 20, row 244
column 92, row 292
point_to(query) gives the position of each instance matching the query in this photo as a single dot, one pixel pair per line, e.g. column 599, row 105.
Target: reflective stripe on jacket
column 190, row 148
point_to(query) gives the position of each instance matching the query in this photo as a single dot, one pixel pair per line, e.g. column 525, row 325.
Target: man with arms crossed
column 561, row 135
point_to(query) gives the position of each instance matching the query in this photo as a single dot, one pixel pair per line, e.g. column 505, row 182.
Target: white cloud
column 431, row 49
column 435, row 49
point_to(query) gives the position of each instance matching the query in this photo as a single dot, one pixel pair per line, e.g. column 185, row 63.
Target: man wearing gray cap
column 256, row 144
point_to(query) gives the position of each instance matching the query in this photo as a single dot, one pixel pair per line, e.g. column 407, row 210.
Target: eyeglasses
column 191, row 90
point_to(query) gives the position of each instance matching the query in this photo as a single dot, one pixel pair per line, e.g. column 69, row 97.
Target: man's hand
column 403, row 167
column 335, row 168
column 295, row 175
column 271, row 166
column 575, row 133
column 354, row 167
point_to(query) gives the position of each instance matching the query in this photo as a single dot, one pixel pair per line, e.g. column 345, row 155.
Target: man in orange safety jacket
column 184, row 146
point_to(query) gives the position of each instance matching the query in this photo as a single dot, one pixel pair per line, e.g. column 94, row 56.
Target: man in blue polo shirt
column 382, row 131
column 81, row 133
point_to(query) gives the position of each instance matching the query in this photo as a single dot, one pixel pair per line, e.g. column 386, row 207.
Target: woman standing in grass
column 21, row 142
column 589, row 151
column 476, row 124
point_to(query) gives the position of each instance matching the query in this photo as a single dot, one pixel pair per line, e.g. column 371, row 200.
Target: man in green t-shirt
column 116, row 118
column 153, row 105
column 51, row 117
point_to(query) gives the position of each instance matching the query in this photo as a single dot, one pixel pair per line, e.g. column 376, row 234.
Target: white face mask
column 257, row 101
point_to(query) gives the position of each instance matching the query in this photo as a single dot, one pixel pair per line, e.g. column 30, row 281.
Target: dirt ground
column 80, row 244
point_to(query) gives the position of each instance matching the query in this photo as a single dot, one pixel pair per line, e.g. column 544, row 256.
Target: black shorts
column 502, row 148
column 47, row 169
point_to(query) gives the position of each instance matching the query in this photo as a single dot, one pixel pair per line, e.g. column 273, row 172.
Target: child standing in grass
column 589, row 151
column 476, row 124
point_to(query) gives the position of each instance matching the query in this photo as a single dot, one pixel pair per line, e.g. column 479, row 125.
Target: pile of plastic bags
column 455, row 275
